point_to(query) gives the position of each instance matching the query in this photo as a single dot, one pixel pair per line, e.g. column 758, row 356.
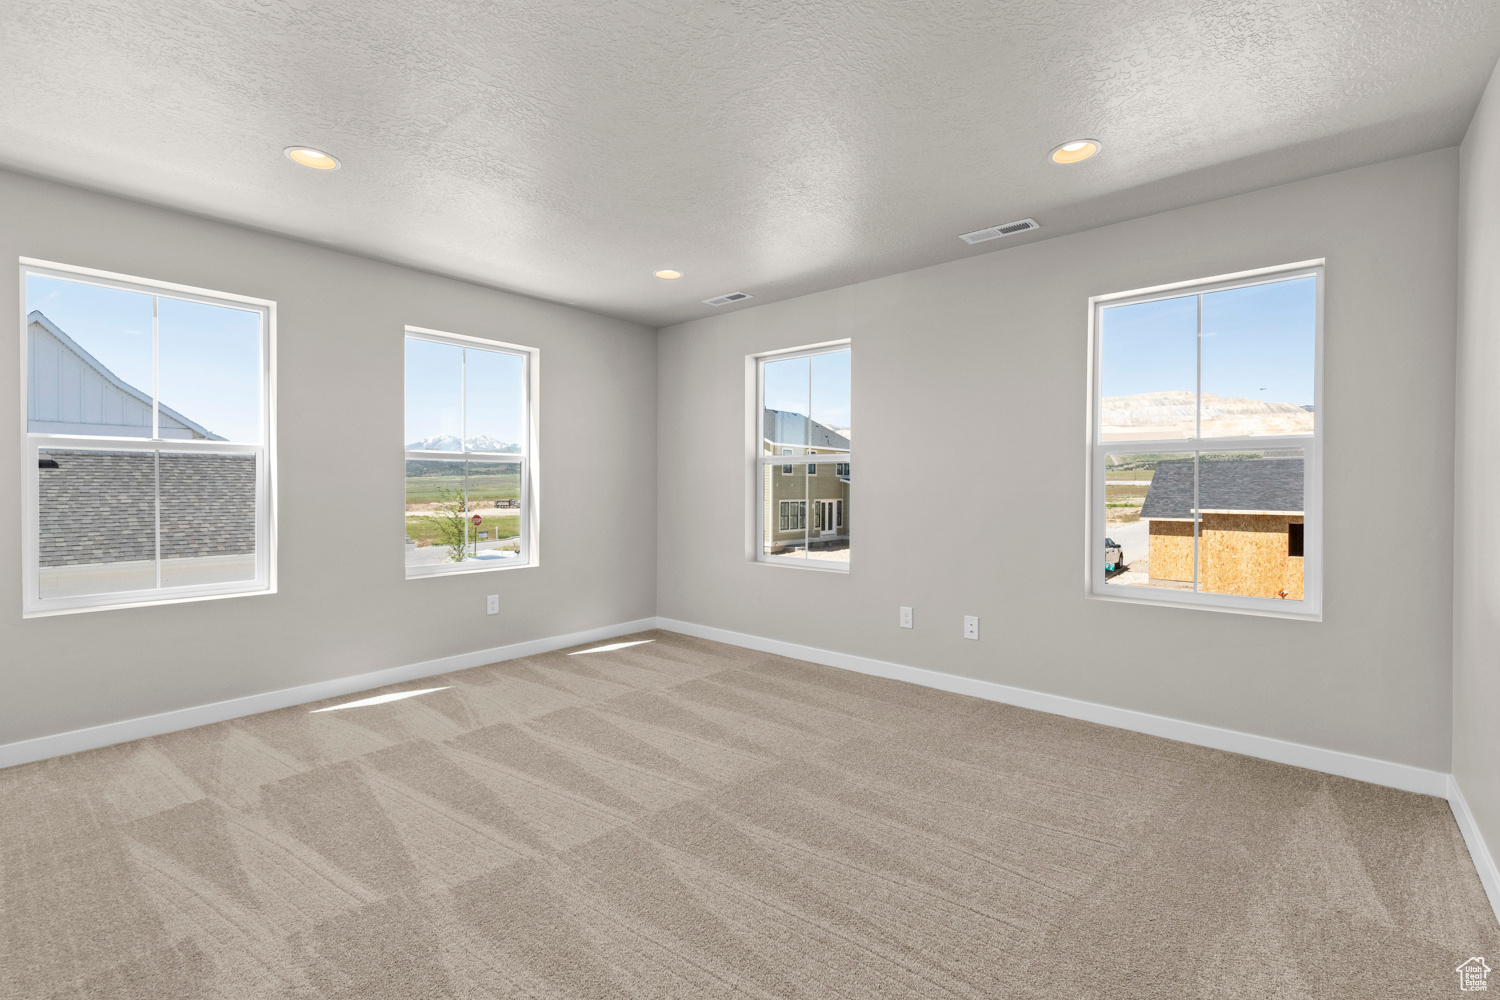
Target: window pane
column 1148, row 521
column 434, row 395
column 494, row 401
column 1148, row 378
column 785, row 498
column 787, row 405
column 209, row 371
column 97, row 513
column 495, row 495
column 1249, row 502
column 207, row 519
column 828, row 514
column 1258, row 351
column 830, row 401
column 88, row 358
column 436, row 513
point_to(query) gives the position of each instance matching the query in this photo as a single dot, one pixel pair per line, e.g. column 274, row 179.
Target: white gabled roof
column 98, row 399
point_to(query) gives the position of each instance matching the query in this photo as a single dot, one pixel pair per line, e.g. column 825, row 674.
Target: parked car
column 1114, row 556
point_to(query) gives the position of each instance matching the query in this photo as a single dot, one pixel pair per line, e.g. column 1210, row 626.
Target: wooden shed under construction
column 1248, row 513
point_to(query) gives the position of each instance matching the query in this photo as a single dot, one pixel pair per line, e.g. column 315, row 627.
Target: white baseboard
column 111, row 733
column 1348, row 765
column 1478, row 849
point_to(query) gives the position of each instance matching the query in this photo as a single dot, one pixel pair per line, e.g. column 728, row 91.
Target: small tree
column 450, row 521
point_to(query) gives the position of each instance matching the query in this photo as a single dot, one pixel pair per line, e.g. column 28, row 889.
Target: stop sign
column 476, row 519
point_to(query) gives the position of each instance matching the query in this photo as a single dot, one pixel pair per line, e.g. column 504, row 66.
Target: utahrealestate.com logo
column 1473, row 975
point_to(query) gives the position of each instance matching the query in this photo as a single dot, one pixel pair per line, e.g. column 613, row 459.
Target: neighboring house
column 1250, row 530
column 70, row 392
column 120, row 506
column 805, row 504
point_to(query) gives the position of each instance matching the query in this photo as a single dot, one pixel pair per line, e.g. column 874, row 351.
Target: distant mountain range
column 1168, row 415
column 449, row 442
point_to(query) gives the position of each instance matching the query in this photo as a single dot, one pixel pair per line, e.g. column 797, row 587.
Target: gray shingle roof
column 782, row 427
column 1249, row 484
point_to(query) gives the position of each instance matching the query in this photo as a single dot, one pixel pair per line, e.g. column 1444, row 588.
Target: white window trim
column 35, row 606
column 1310, row 608
column 529, row 491
column 759, row 460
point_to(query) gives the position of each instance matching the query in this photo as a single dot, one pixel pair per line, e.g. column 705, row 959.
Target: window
column 147, row 443
column 793, row 515
column 470, row 454
column 802, row 410
column 1205, row 461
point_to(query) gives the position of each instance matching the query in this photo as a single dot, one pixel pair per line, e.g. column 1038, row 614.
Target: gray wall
column 343, row 606
column 1476, row 584
column 969, row 437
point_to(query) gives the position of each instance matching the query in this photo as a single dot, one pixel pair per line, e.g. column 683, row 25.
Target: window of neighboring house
column 802, row 409
column 148, row 441
column 1206, row 454
column 470, row 454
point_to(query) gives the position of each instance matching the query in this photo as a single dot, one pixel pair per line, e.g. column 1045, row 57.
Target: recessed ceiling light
column 315, row 158
column 1078, row 149
column 668, row 273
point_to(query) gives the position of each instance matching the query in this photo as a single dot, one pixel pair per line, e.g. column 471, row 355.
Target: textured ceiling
column 568, row 150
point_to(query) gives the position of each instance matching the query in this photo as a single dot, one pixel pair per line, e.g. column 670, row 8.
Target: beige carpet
column 686, row 819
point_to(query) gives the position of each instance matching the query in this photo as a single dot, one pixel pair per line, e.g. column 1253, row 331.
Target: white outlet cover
column 906, row 617
column 492, row 604
column 971, row 627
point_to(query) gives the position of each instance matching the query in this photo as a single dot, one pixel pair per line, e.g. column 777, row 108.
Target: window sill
column 818, row 566
column 441, row 571
column 154, row 602
column 1268, row 610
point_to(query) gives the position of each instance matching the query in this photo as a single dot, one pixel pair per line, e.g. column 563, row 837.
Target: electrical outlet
column 492, row 604
column 906, row 617
column 971, row 627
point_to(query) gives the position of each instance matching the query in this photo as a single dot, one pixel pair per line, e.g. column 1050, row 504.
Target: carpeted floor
column 685, row 819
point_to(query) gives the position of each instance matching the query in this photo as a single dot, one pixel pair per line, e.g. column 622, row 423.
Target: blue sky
column 435, row 396
column 818, row 385
column 209, row 355
column 1258, row 343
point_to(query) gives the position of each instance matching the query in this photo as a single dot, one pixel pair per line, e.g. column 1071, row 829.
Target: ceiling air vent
column 724, row 300
column 995, row 232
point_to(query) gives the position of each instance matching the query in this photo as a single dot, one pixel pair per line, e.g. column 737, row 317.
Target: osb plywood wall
column 1171, row 550
column 1243, row 554
column 1247, row 554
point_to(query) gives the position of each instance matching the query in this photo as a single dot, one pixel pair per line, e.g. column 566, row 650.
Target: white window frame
column 761, row 460
column 530, row 557
column 1311, row 606
column 264, row 582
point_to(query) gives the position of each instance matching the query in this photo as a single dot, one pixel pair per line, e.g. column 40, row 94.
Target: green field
column 483, row 486
column 424, row 532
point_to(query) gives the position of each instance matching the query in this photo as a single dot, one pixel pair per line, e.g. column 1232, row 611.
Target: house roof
column 1254, row 484
column 783, row 427
column 39, row 319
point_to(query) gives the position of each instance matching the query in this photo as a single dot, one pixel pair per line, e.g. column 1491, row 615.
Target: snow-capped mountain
column 449, row 442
